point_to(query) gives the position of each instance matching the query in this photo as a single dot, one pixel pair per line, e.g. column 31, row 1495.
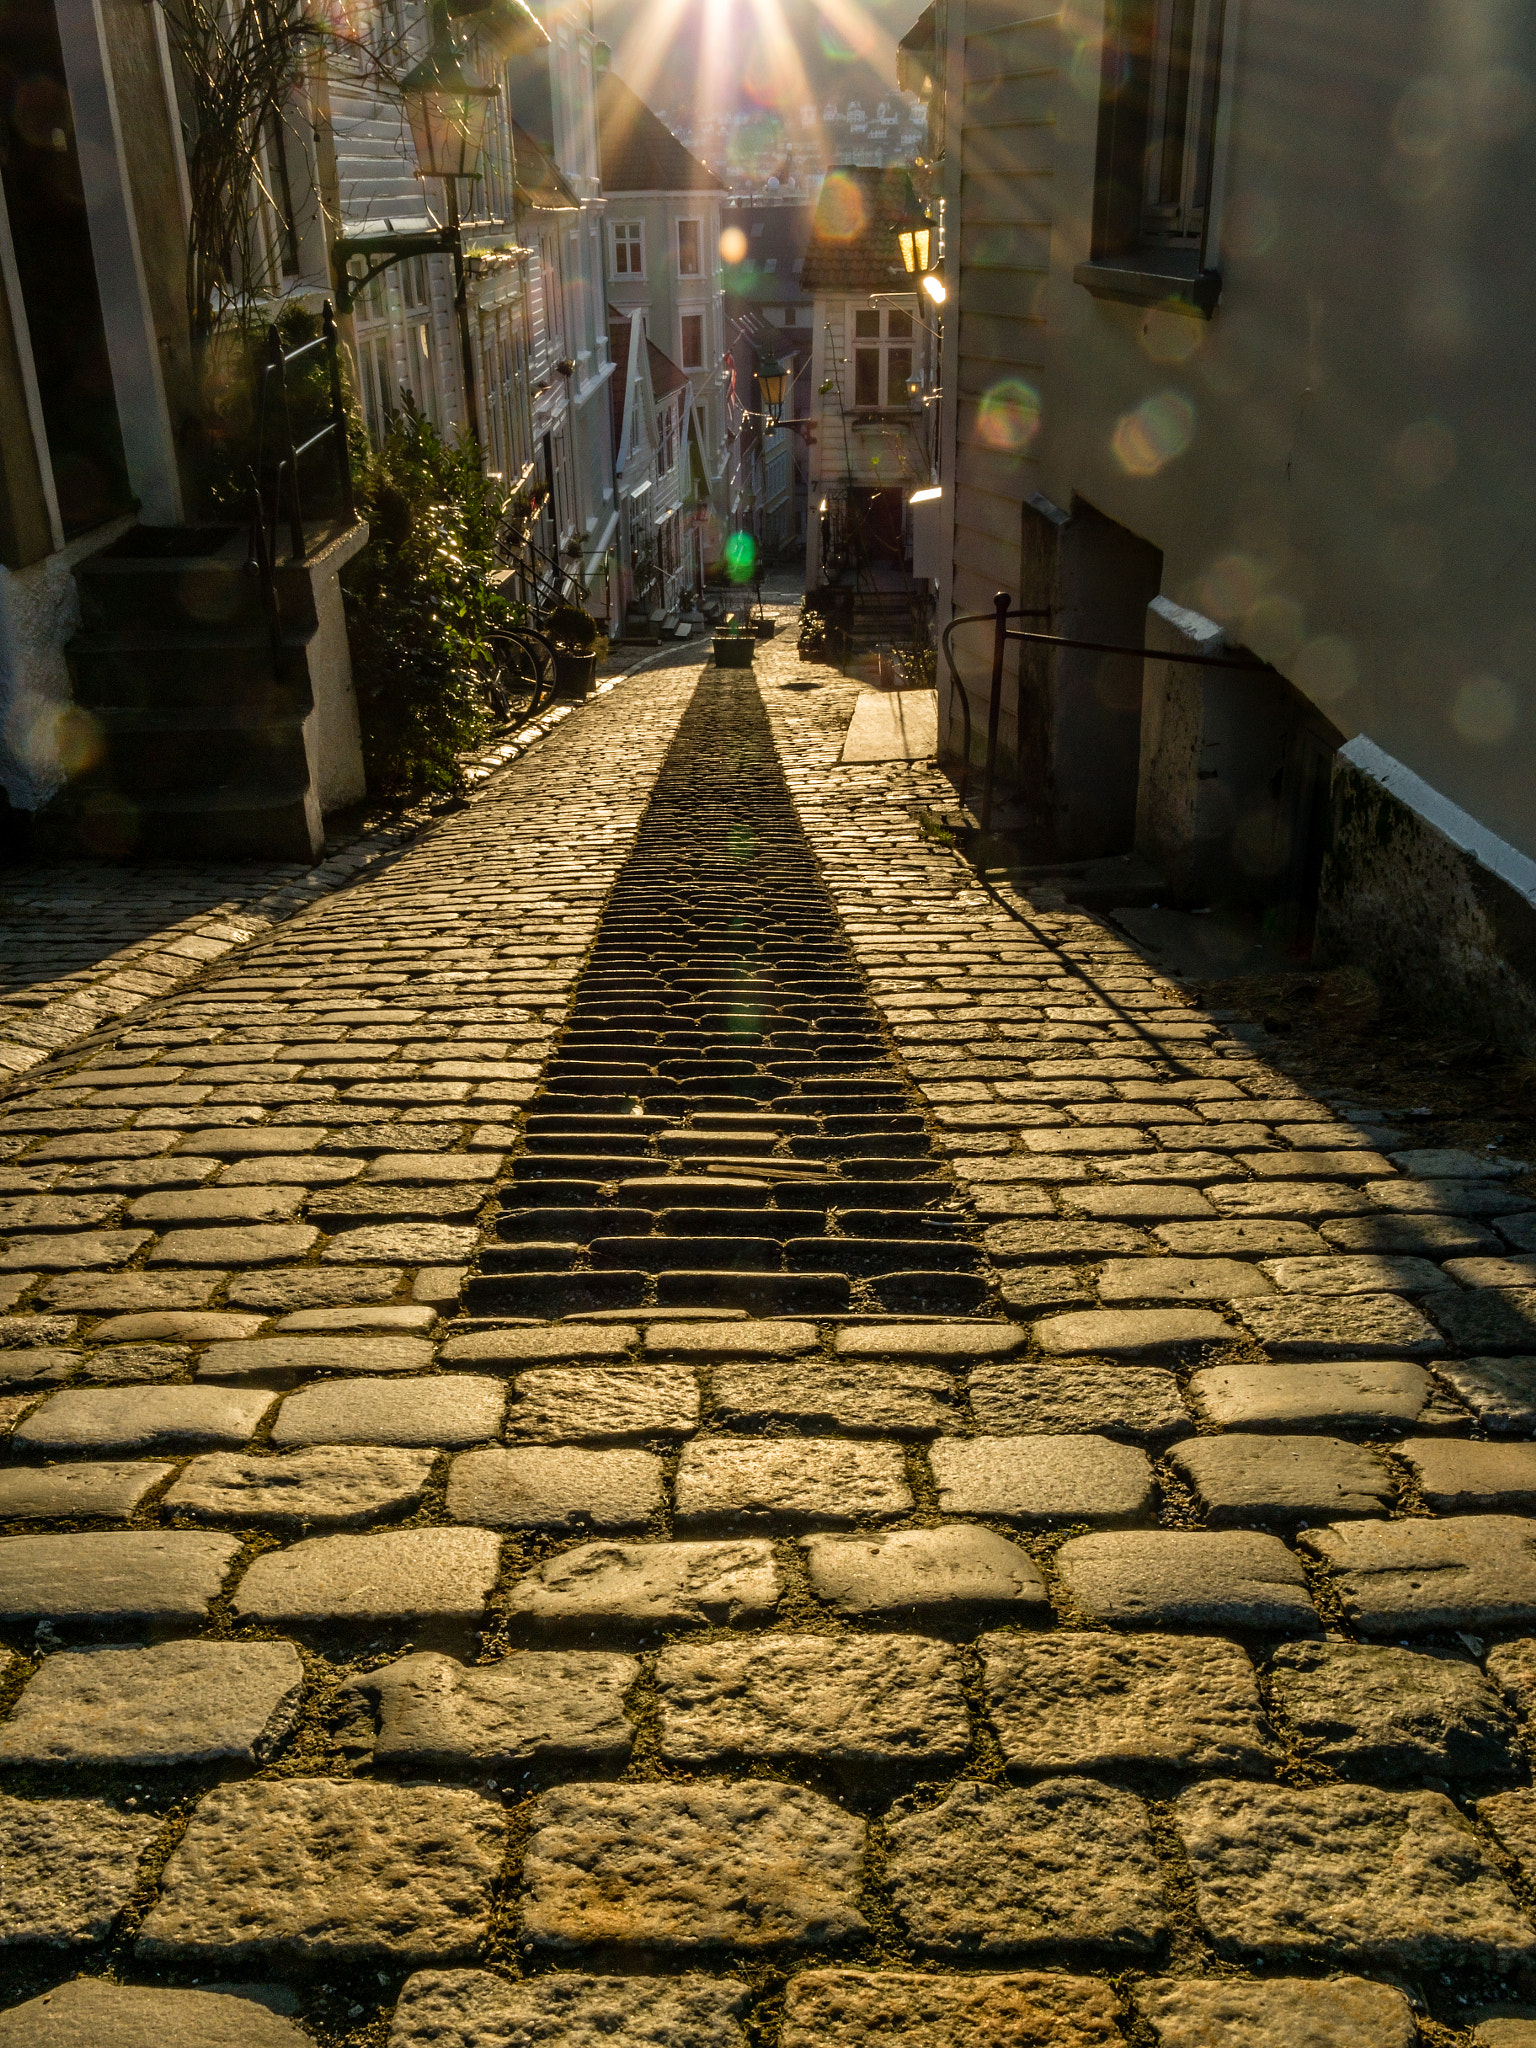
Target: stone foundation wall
column 1435, row 924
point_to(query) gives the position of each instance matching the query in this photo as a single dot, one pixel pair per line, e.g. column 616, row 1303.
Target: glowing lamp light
column 771, row 379
column 926, row 497
column 447, row 110
column 913, row 243
column 934, row 287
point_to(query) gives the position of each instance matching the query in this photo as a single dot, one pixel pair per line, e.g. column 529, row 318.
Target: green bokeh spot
column 740, row 557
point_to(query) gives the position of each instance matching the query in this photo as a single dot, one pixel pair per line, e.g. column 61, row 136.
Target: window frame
column 633, row 240
column 1134, row 254
column 691, row 221
column 684, row 321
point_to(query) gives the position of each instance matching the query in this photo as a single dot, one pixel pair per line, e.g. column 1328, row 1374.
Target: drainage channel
column 722, row 1126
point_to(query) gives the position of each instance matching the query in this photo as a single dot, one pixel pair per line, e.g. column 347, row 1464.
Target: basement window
column 1157, row 124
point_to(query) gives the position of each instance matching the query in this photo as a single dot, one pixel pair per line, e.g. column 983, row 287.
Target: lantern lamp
column 771, row 379
column 447, row 110
column 914, row 244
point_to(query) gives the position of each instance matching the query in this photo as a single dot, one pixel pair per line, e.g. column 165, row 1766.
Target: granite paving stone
column 564, row 1490
column 1226, row 2012
column 853, row 1703
column 69, row 1866
column 156, row 1578
column 406, row 1244
column 426, row 1581
column 272, row 1203
column 748, row 1338
column 257, row 1244
column 123, row 1365
column 1367, row 1273
column 1497, row 1272
column 1131, row 1333
column 1500, row 1392
column 956, row 1343
column 80, row 1251
column 1447, row 1197
column 908, row 2009
column 1139, row 1404
column 1426, row 1237
column 1155, row 1204
column 404, row 1317
column 535, row 1707
column 586, row 1404
column 1372, row 1711
column 893, row 1398
column 1063, row 1869
column 1419, row 1577
column 91, row 2010
column 108, row 1490
column 1505, row 2033
column 639, row 1589
column 1255, row 1478
column 1239, row 1237
column 473, row 2009
column 177, row 1326
column 144, row 1419
column 679, row 1870
column 1043, row 1479
column 950, row 1577
column 1382, row 1397
column 564, row 1344
column 172, row 1705
column 1348, row 1874
column 1342, row 1326
column 341, row 1487
column 38, row 1365
column 449, row 1410
column 1491, row 1319
column 1154, row 1279
column 286, row 1288
column 287, row 1356
column 1239, row 1581
column 328, row 1875
column 1458, row 1478
column 745, row 1483
column 1078, row 1701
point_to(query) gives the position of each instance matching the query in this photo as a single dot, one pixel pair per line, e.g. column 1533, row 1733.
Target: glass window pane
column 898, row 368
column 867, row 326
column 866, row 376
column 688, row 248
column 898, row 325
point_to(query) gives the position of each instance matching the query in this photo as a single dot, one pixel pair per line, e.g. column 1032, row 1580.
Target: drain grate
column 722, row 1125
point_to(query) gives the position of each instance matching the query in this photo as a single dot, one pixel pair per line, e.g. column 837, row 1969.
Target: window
column 628, row 249
column 1157, row 123
column 1182, row 102
column 693, row 341
column 688, row 248
column 882, row 356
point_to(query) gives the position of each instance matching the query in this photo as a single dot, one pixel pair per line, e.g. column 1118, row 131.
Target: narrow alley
column 671, row 1421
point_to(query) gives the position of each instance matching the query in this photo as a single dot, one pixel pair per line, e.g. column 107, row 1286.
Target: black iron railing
column 1002, row 633
column 277, row 476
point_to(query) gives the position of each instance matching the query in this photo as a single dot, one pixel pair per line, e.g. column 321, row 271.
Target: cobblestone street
column 671, row 1422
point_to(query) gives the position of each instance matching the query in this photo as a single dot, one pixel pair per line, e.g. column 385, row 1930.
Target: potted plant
column 575, row 635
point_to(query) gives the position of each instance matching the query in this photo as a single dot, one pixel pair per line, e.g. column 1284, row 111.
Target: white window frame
column 682, row 341
column 1181, row 107
column 632, row 233
column 885, row 343
column 698, row 246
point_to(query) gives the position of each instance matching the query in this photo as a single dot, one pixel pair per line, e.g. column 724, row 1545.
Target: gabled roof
column 666, row 377
column 777, row 238
column 853, row 237
column 638, row 151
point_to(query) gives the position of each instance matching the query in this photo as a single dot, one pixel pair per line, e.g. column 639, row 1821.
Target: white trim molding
column 1517, row 870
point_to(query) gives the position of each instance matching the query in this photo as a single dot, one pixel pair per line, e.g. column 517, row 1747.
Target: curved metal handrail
column 958, row 689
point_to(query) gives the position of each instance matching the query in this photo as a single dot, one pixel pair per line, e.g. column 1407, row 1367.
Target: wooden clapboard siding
column 1000, row 230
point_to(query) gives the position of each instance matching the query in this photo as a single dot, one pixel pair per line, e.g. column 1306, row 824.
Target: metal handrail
column 285, row 474
column 999, row 616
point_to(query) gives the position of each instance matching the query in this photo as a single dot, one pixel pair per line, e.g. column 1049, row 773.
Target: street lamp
column 913, row 243
column 447, row 110
column 771, row 379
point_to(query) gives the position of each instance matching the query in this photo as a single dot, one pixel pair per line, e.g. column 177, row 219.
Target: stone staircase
column 197, row 738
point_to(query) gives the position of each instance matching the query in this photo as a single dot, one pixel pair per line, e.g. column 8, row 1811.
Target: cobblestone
column 70, row 1866
column 866, row 1217
column 1065, row 1868
column 92, row 2009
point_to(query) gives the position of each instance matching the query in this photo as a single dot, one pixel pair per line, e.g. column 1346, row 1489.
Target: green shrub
column 420, row 611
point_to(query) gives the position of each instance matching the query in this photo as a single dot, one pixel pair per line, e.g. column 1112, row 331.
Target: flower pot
column 734, row 650
column 574, row 673
column 766, row 628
